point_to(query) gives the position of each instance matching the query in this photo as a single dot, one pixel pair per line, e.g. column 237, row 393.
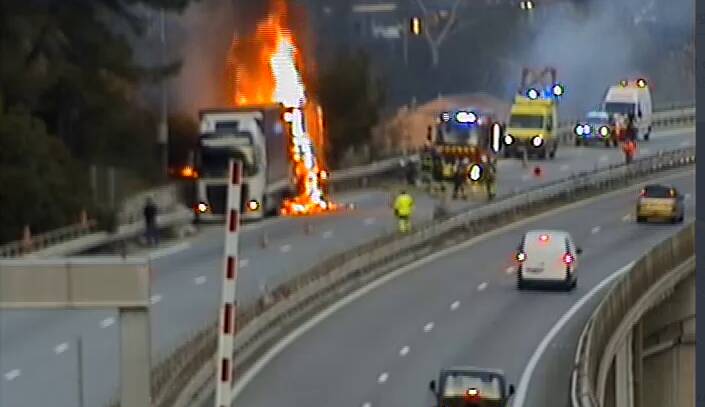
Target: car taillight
column 567, row 258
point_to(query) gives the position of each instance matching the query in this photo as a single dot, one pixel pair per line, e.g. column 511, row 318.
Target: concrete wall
column 669, row 350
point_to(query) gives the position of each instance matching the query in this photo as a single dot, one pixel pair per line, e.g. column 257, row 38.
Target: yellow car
column 660, row 202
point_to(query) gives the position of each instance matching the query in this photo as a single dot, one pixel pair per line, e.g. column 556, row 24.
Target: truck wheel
column 577, row 142
column 552, row 154
column 640, row 219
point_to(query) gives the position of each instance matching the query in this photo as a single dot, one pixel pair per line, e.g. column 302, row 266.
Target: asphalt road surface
column 463, row 308
column 38, row 349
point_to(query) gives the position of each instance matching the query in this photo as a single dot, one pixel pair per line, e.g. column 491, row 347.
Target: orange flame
column 264, row 68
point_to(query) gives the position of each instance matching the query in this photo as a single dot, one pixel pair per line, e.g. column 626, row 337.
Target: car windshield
column 657, row 191
column 457, row 385
column 619, row 108
column 214, row 162
column 597, row 120
column 459, row 133
column 526, row 121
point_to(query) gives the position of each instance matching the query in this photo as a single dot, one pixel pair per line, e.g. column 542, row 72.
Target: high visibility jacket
column 404, row 205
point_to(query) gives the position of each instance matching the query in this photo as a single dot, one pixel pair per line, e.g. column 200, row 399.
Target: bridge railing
column 187, row 373
column 608, row 331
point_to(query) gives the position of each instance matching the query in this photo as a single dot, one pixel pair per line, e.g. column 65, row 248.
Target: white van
column 547, row 256
column 631, row 98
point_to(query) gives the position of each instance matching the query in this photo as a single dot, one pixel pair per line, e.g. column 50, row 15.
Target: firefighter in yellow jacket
column 403, row 209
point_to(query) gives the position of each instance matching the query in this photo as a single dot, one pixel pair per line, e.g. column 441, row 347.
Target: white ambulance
column 631, row 98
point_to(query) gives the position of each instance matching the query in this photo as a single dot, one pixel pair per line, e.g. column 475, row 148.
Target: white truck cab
column 631, row 98
column 547, row 256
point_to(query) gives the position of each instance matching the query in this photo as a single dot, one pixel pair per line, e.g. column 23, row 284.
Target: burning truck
column 272, row 127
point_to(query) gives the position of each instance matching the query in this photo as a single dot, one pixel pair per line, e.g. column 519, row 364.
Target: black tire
column 607, row 143
column 552, row 154
column 575, row 282
column 542, row 154
column 577, row 142
column 640, row 219
column 521, row 284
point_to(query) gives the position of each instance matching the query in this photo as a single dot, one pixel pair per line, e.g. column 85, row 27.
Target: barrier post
column 228, row 308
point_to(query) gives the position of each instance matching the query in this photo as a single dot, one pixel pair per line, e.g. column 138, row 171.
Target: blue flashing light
column 466, row 117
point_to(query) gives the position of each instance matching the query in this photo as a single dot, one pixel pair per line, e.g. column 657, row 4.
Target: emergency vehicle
column 534, row 117
column 468, row 138
column 630, row 98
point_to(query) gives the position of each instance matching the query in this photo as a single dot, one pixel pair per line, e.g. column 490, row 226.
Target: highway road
column 461, row 308
column 39, row 348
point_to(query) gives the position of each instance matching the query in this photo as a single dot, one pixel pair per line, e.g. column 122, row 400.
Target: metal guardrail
column 260, row 325
column 658, row 271
column 357, row 175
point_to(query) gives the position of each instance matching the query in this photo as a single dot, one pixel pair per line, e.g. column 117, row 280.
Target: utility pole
column 163, row 135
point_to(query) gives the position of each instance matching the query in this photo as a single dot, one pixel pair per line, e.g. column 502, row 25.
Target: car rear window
column 657, row 191
column 458, row 385
column 555, row 245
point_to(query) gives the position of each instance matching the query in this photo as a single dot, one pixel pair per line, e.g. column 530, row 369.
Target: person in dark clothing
column 459, row 179
column 150, row 223
column 630, row 133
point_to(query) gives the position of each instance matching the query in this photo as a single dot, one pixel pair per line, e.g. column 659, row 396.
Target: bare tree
column 444, row 26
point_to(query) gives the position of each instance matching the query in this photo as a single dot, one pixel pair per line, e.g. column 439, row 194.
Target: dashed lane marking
column 369, row 221
column 328, row 234
column 107, row 322
column 595, row 230
column 454, row 306
column 286, row 248
column 155, row 299
column 428, row 327
column 199, row 280
column 627, row 217
column 12, row 374
column 61, row 348
column 383, row 377
column 244, row 263
column 482, row 286
column 404, row 351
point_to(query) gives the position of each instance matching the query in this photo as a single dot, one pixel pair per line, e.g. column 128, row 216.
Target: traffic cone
column 27, row 239
column 84, row 219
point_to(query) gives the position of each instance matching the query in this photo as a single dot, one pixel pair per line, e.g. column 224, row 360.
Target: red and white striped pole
column 228, row 308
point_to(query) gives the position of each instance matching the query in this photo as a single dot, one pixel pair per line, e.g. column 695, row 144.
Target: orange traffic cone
column 84, row 219
column 27, row 239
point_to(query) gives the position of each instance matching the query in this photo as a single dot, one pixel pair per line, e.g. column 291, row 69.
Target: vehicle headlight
column 202, row 207
column 587, row 129
column 604, row 131
column 475, row 172
column 253, row 205
column 537, row 141
column 508, row 139
column 579, row 130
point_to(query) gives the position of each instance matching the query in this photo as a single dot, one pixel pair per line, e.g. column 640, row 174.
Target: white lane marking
column 368, row 404
column 523, row 387
column 626, row 217
column 244, row 263
column 454, row 306
column 604, row 158
column 428, row 327
column 509, row 270
column 199, row 280
column 12, row 374
column 383, row 377
column 306, row 326
column 107, row 322
column 168, row 251
column 565, row 167
column 327, row 234
column 646, row 150
column 61, row 348
column 155, row 299
column 482, row 286
column 525, row 177
column 286, row 248
column 595, row 230
column 369, row 221
column 404, row 351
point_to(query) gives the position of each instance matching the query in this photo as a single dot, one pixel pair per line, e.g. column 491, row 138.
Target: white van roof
column 627, row 94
